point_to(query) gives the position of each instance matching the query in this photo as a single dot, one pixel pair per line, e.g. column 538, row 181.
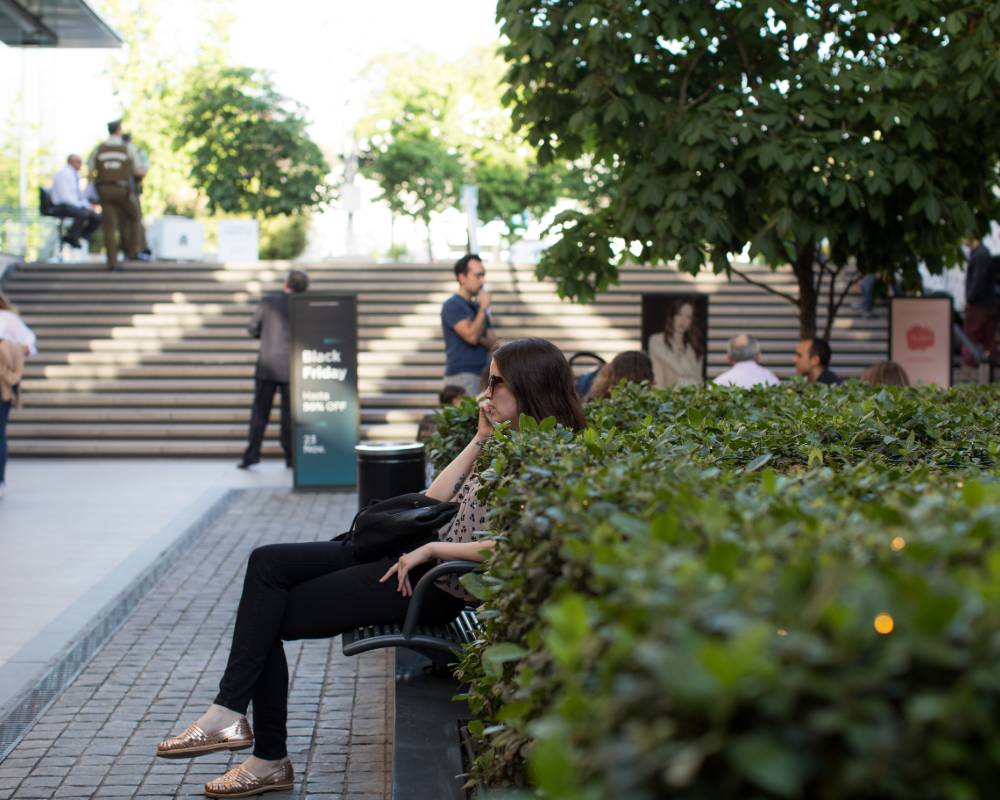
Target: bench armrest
column 445, row 568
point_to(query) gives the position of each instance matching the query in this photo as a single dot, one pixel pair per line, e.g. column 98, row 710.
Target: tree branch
column 735, row 37
column 833, row 306
column 700, row 98
column 783, row 295
column 682, row 100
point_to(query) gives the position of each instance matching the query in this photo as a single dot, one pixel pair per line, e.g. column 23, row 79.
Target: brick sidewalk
column 161, row 669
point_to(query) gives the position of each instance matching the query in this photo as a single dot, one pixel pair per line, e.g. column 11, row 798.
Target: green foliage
column 685, row 599
column 37, row 155
column 147, row 77
column 456, row 425
column 418, row 173
column 722, row 124
column 437, row 124
column 284, row 238
column 249, row 147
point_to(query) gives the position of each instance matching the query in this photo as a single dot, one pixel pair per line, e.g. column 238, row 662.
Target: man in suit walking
column 271, row 325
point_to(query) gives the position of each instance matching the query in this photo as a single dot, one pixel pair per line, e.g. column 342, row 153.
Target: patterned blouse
column 470, row 519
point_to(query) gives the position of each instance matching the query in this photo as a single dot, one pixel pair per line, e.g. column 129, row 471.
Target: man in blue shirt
column 468, row 336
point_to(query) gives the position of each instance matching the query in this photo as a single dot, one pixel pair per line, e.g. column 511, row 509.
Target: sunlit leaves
column 249, row 146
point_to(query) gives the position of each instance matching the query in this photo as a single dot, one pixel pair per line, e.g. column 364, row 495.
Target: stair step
column 202, row 414
column 86, row 448
column 157, row 431
column 154, row 359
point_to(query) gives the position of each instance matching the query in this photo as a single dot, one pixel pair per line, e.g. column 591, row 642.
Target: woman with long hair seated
column 315, row 590
column 632, row 366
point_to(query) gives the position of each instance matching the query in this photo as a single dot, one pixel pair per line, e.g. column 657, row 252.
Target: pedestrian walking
column 271, row 325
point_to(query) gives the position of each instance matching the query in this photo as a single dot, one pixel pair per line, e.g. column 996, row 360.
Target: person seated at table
column 315, row 590
column 68, row 200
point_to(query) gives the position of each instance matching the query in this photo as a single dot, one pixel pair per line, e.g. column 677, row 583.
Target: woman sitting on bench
column 315, row 590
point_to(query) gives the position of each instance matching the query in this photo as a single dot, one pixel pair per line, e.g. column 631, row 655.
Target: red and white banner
column 920, row 338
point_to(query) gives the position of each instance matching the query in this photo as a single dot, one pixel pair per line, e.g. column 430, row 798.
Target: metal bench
column 440, row 643
column 427, row 747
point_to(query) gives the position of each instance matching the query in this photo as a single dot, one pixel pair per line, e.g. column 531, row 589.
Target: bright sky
column 315, row 50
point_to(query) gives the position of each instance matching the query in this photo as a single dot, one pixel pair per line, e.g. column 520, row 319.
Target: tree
column 865, row 125
column 38, row 154
column 145, row 78
column 422, row 99
column 248, row 144
column 418, row 173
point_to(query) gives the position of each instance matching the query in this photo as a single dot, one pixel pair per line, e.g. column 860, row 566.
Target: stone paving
column 160, row 670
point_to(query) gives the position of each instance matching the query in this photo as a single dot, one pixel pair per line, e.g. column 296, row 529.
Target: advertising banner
column 920, row 338
column 675, row 337
column 324, row 378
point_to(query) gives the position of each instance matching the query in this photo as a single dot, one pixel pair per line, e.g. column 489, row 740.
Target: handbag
column 389, row 528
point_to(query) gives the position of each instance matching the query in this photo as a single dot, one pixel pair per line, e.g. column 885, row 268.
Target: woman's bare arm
column 447, row 484
column 461, row 551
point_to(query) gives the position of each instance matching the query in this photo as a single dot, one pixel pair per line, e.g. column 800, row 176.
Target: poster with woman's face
column 675, row 336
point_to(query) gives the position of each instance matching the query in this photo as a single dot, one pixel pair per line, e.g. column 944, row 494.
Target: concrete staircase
column 154, row 359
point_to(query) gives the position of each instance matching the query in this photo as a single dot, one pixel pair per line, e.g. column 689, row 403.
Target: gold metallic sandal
column 195, row 742
column 240, row 782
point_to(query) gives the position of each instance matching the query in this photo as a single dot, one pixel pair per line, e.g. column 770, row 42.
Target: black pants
column 305, row 591
column 263, row 399
column 85, row 221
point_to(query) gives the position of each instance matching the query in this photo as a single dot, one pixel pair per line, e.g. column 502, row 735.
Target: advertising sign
column 920, row 338
column 676, row 319
column 324, row 378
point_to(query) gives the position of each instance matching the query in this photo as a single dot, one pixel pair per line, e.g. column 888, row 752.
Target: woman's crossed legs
column 312, row 590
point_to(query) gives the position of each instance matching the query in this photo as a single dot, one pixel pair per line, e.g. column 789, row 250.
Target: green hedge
column 687, row 596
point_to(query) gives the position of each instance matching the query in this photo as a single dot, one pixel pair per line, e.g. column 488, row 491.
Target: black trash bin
column 389, row 469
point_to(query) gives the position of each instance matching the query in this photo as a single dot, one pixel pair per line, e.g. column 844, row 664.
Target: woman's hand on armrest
column 441, row 551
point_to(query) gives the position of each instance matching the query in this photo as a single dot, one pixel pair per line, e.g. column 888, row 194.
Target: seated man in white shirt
column 744, row 355
column 69, row 201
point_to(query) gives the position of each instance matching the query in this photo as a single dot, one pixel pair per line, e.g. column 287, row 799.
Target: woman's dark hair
column 885, row 373
column 692, row 336
column 449, row 393
column 632, row 365
column 297, row 280
column 537, row 372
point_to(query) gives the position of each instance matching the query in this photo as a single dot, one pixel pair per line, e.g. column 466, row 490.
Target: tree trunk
column 808, row 292
column 430, row 247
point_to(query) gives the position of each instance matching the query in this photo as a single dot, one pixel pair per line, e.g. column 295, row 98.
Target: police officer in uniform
column 112, row 168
